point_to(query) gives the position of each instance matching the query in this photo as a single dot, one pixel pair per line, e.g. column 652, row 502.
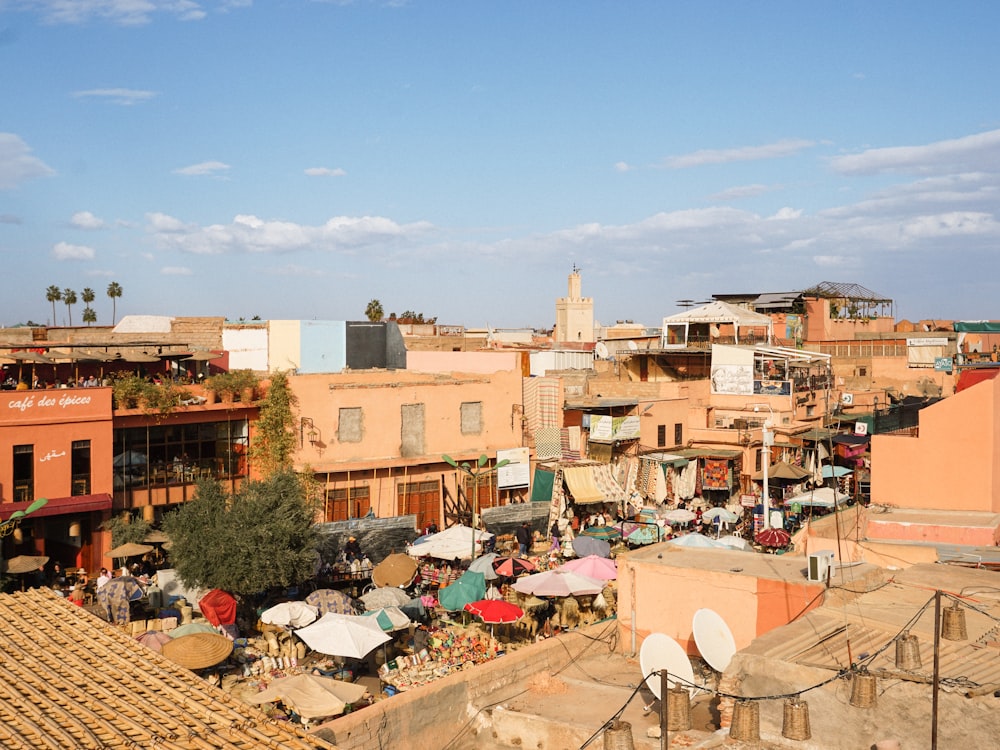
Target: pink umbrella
column 558, row 582
column 153, row 639
column 593, row 566
column 511, row 567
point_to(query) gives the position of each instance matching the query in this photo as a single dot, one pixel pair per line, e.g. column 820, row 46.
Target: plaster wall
column 247, row 348
column 283, row 345
column 954, row 462
column 750, row 604
column 323, row 345
column 473, row 362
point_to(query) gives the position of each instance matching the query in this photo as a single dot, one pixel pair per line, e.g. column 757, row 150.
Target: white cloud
column 786, row 213
column 86, row 220
column 66, row 251
column 121, row 12
column 778, row 149
column 17, row 165
column 176, row 271
column 622, row 166
column 971, row 153
column 325, row 172
column 124, row 97
column 834, row 261
column 739, row 192
column 204, row 168
column 247, row 233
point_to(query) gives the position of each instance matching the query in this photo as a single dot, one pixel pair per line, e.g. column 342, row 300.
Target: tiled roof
column 70, row 680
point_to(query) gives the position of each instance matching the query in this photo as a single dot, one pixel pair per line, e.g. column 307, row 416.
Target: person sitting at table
column 103, row 578
column 77, row 595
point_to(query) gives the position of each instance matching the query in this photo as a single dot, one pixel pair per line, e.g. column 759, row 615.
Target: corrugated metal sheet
column 541, row 362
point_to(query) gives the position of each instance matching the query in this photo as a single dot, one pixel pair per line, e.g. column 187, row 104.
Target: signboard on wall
column 517, row 473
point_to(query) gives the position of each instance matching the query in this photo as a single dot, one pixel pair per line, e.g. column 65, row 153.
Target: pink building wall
column 953, row 464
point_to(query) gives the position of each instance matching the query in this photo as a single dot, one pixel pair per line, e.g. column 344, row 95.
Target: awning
column 667, row 459
column 850, row 440
column 816, row 434
column 830, row 472
column 709, row 453
column 61, row 506
column 580, row 480
column 822, row 497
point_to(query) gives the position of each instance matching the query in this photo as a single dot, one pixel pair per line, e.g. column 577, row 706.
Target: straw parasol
column 130, row 549
column 24, row 564
column 782, row 470
column 198, row 650
column 200, row 356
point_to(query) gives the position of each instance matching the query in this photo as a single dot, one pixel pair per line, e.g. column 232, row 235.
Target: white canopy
column 718, row 312
column 822, row 497
column 455, row 541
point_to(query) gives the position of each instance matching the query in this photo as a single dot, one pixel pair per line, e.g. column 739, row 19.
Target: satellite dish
column 714, row 639
column 602, row 350
column 632, row 345
column 661, row 652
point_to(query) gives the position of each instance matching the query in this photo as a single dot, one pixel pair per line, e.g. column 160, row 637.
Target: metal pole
column 664, row 687
column 937, row 666
column 765, row 459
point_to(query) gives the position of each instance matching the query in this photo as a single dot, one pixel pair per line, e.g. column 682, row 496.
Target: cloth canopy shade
column 470, row 587
column 331, row 600
column 581, row 484
column 830, row 472
column 311, row 696
column 454, row 542
column 218, row 607
column 821, row 497
column 384, row 597
column 783, row 470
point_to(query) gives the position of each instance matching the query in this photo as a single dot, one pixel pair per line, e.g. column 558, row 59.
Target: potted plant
column 127, row 389
column 245, row 383
column 222, row 385
column 162, row 398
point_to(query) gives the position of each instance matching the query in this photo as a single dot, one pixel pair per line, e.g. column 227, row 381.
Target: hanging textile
column 570, row 443
column 580, row 480
column 607, row 485
column 548, row 445
column 716, row 474
column 541, row 486
column 599, row 452
column 642, row 480
column 660, row 484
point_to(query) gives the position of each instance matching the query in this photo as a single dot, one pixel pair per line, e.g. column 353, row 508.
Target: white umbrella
column 694, row 540
column 558, row 582
column 681, row 515
column 385, row 597
column 290, row 614
column 343, row 635
column 736, row 542
column 722, row 514
column 389, row 618
column 484, row 564
column 310, row 696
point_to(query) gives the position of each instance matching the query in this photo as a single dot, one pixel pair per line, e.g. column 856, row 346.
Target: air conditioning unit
column 819, row 565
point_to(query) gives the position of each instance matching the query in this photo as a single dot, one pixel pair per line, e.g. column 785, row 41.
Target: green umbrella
column 470, row 587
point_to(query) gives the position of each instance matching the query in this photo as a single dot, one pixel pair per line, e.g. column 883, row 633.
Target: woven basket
column 795, row 723
column 953, row 624
column 908, row 652
column 678, row 709
column 864, row 688
column 746, row 721
column 618, row 736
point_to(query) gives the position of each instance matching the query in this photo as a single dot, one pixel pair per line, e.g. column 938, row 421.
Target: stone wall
column 432, row 715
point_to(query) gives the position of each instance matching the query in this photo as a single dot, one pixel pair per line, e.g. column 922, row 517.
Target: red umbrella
column 773, row 538
column 495, row 611
column 511, row 567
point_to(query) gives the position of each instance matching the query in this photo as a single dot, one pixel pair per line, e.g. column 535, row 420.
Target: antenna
column 713, row 638
column 661, row 652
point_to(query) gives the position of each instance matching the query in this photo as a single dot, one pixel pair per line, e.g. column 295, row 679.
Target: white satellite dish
column 602, row 350
column 714, row 639
column 661, row 652
column 632, row 345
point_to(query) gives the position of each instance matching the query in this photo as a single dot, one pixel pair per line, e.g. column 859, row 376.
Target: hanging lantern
column 864, row 689
column 746, row 721
column 953, row 624
column 18, row 535
column 74, row 529
column 907, row 652
column 795, row 723
column 678, row 709
column 148, row 513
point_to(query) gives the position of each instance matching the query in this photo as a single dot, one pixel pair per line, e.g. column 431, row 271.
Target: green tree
column 274, row 442
column 374, row 311
column 69, row 298
column 262, row 536
column 114, row 292
column 126, row 529
column 89, row 316
column 53, row 294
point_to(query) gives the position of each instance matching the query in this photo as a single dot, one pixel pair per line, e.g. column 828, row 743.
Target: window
column 661, row 436
column 412, row 431
column 346, row 503
column 472, row 418
column 80, row 468
column 678, row 434
column 350, row 425
column 24, row 473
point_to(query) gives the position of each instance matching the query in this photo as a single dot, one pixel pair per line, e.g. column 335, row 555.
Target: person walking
column 556, row 533
column 523, row 536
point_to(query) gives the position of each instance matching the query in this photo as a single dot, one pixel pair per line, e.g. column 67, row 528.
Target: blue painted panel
column 324, row 346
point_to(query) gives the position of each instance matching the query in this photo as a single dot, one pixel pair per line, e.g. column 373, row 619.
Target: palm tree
column 69, row 297
column 88, row 296
column 53, row 294
column 114, row 291
column 89, row 316
column 374, row 311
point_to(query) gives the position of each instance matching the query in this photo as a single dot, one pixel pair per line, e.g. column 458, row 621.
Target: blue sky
column 298, row 158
